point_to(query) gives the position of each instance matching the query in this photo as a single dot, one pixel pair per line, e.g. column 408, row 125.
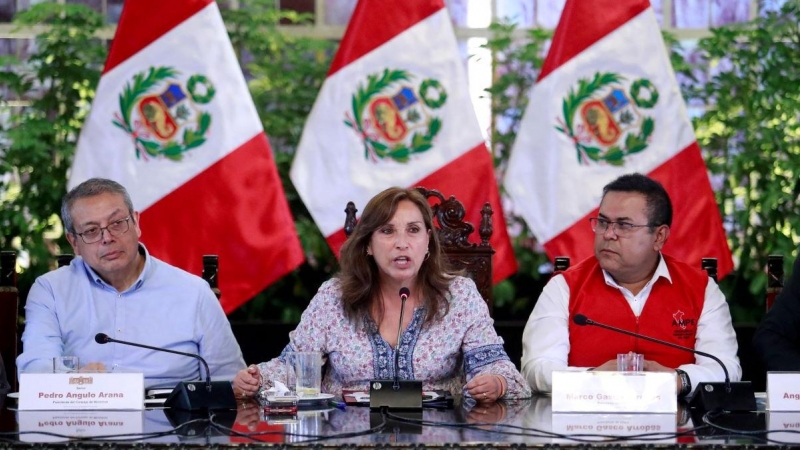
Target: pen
column 338, row 405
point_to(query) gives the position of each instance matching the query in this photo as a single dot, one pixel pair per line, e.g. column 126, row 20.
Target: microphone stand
column 396, row 385
column 188, row 395
column 737, row 396
column 396, row 394
column 106, row 339
column 670, row 344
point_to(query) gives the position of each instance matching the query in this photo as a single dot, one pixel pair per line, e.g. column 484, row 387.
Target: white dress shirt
column 545, row 340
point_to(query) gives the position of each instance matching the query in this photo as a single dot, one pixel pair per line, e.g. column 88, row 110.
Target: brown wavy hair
column 359, row 275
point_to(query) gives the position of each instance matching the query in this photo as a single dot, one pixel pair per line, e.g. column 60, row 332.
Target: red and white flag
column 174, row 122
column 607, row 103
column 395, row 111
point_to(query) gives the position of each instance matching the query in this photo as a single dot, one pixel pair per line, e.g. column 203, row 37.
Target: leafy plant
column 38, row 143
column 285, row 74
column 518, row 58
column 751, row 132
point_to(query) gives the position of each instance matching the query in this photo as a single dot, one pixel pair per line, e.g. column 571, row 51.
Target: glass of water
column 66, row 364
column 308, row 373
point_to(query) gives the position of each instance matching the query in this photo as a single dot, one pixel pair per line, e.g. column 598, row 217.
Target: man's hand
column 608, row 366
column 652, row 366
column 94, row 367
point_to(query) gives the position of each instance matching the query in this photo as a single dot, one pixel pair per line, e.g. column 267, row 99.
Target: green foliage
column 751, row 132
column 39, row 141
column 518, row 60
column 285, row 74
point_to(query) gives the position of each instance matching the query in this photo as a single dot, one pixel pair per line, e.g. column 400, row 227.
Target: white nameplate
column 783, row 391
column 70, row 391
column 77, row 424
column 616, row 425
column 631, row 392
column 784, row 426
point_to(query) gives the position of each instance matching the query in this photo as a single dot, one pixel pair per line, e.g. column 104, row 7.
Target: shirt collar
column 136, row 285
column 661, row 271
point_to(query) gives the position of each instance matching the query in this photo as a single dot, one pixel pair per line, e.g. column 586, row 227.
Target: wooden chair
column 774, row 278
column 9, row 313
column 210, row 272
column 710, row 266
column 65, row 259
column 475, row 260
column 560, row 264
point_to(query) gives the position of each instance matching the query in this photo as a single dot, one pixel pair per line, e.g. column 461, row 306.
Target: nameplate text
column 783, row 391
column 81, row 391
column 625, row 392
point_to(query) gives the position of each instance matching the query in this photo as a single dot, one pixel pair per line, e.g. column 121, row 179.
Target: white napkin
column 278, row 388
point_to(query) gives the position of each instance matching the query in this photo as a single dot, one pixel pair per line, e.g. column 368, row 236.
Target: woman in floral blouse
column 448, row 341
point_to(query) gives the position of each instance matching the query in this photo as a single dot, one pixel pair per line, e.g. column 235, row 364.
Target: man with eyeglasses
column 630, row 284
column 114, row 286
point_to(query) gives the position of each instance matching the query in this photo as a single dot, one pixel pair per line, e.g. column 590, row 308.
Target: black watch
column 686, row 383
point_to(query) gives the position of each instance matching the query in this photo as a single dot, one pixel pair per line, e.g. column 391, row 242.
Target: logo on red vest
column 679, row 320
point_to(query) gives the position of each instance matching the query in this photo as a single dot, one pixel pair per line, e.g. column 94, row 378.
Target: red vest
column 670, row 314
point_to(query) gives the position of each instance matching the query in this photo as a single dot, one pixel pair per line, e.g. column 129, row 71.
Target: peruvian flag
column 173, row 122
column 607, row 103
column 395, row 111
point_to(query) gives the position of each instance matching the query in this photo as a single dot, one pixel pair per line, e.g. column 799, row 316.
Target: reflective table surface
column 522, row 423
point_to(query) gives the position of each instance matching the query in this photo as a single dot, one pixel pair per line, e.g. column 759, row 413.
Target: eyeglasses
column 95, row 234
column 599, row 226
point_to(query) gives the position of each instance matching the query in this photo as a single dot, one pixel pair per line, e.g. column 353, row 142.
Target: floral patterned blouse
column 444, row 355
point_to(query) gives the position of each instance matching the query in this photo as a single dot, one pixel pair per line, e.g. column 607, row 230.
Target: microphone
column 736, row 396
column 190, row 396
column 396, row 394
column 404, row 293
column 102, row 338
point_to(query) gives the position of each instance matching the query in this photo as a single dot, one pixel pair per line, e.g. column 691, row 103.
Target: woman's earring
column 427, row 255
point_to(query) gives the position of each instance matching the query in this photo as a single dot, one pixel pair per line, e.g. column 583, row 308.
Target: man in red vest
column 630, row 284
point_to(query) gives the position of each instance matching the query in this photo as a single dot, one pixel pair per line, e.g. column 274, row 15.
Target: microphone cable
column 710, row 416
column 534, row 432
column 123, row 437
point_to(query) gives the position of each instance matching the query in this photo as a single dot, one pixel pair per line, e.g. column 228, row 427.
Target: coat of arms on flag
column 605, row 121
column 162, row 115
column 393, row 117
column 173, row 124
column 607, row 91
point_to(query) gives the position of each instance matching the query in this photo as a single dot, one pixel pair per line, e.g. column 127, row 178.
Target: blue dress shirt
column 166, row 307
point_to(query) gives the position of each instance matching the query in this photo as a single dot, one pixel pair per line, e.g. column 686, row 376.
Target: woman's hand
column 247, row 382
column 486, row 388
column 492, row 413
